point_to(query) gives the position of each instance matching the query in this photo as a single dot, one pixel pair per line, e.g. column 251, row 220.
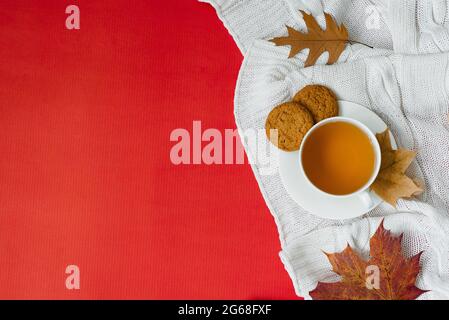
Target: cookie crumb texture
column 319, row 100
column 293, row 121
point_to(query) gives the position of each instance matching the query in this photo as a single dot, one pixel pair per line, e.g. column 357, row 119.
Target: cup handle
column 367, row 198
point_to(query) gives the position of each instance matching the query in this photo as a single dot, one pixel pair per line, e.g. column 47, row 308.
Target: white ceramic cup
column 364, row 191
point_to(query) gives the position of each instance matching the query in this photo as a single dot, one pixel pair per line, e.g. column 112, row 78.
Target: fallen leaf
column 397, row 275
column 421, row 185
column 332, row 40
column 392, row 183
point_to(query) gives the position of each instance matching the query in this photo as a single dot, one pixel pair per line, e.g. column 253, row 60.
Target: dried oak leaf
column 397, row 274
column 332, row 40
column 392, row 183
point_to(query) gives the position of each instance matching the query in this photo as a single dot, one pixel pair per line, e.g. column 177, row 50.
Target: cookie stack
column 294, row 119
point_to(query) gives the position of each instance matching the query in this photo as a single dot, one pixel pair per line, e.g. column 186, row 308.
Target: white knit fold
column 417, row 26
column 409, row 92
column 245, row 26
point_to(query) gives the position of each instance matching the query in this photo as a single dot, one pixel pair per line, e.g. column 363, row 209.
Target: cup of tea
column 340, row 157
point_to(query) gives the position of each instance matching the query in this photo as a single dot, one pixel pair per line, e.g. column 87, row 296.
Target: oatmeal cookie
column 292, row 120
column 319, row 100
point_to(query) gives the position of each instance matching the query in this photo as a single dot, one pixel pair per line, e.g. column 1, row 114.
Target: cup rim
column 373, row 140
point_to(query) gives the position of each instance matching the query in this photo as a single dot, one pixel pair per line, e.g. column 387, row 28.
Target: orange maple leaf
column 397, row 275
column 333, row 39
column 392, row 183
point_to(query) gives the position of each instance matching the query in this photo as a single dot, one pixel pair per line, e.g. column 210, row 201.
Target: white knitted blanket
column 403, row 79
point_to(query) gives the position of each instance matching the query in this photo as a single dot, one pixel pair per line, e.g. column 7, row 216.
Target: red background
column 85, row 173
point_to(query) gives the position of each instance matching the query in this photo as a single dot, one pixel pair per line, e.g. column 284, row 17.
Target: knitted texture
column 406, row 88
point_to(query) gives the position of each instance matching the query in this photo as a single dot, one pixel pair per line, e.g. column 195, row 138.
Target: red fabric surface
column 85, row 170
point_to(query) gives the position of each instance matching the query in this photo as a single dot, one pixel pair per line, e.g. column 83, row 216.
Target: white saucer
column 312, row 200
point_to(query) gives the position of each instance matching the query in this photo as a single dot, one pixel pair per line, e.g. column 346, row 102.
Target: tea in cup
column 340, row 157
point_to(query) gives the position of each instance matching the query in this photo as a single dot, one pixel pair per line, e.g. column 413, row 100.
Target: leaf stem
column 353, row 41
